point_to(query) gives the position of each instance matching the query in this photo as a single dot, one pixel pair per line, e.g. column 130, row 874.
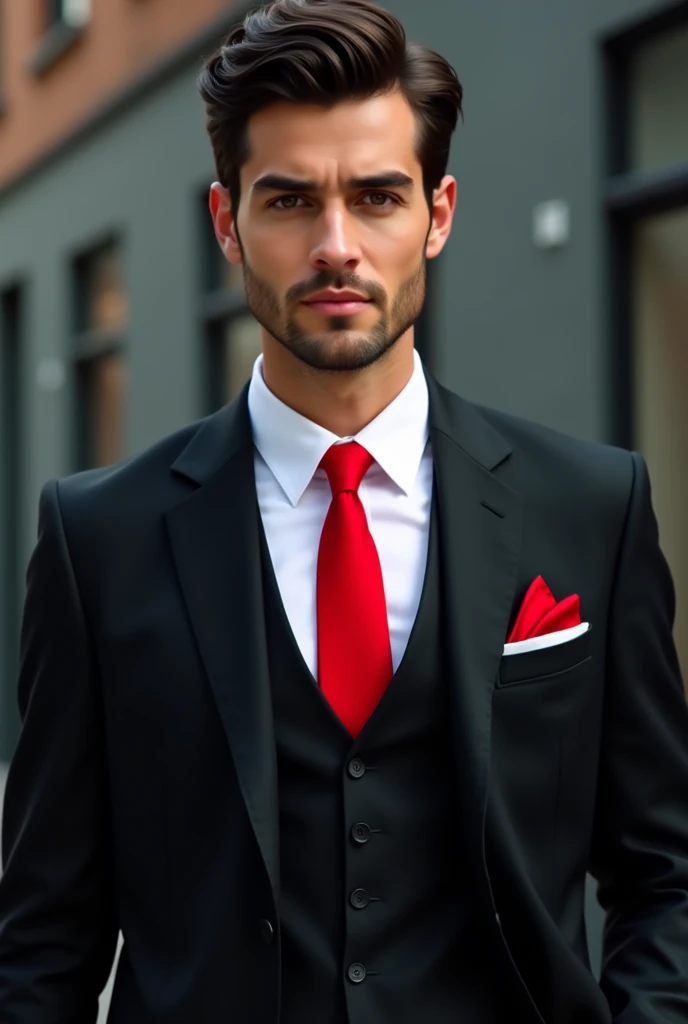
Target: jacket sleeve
column 58, row 926
column 640, row 843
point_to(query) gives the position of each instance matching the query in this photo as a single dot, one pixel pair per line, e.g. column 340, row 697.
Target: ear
column 224, row 222
column 443, row 206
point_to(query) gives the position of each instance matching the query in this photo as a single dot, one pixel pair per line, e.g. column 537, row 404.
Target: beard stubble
column 341, row 348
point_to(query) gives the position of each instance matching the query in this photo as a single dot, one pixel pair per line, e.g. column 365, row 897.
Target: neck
column 341, row 402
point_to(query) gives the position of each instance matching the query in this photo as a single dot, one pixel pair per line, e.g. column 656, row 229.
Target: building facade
column 562, row 294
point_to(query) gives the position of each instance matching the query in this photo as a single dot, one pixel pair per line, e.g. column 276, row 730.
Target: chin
column 338, row 351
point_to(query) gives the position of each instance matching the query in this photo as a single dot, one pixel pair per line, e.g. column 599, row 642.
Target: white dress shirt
column 294, row 495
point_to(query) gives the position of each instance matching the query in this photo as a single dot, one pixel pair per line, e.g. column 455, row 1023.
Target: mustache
column 326, row 279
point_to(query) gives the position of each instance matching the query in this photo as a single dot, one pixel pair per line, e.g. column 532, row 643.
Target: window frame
column 55, row 14
column 57, row 39
column 14, row 300
column 629, row 197
column 89, row 344
column 3, row 96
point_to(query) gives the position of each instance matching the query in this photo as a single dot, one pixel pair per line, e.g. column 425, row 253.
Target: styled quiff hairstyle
column 324, row 52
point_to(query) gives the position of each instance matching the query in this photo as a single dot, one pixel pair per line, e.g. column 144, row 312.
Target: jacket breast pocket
column 547, row 663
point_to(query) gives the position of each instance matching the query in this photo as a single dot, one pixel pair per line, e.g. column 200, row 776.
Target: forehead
column 356, row 137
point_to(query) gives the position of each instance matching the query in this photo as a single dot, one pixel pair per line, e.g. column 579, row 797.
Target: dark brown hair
column 324, row 52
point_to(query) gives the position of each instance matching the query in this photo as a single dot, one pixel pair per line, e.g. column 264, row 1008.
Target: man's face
column 321, row 228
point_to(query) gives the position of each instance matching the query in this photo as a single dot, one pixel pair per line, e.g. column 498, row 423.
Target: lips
column 334, row 295
column 339, row 308
column 344, row 304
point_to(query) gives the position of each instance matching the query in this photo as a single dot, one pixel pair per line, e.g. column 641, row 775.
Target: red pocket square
column 540, row 613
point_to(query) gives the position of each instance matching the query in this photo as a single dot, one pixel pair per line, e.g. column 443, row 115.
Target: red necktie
column 354, row 654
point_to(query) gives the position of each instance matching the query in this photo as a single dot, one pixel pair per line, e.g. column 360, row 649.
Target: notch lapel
column 480, row 528
column 214, row 535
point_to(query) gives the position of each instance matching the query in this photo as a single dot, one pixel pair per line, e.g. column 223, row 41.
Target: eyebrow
column 280, row 183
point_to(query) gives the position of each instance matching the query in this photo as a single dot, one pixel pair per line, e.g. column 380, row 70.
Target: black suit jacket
column 143, row 793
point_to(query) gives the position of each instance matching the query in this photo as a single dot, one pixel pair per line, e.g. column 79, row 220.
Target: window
column 3, row 15
column 647, row 203
column 101, row 367
column 11, row 518
column 63, row 29
column 660, row 369
column 73, row 13
column 231, row 334
column 659, row 102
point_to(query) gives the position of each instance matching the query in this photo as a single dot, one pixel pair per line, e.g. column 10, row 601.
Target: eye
column 282, row 199
column 291, row 201
column 383, row 195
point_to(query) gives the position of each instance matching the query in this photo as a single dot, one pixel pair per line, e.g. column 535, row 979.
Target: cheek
column 275, row 263
column 277, row 251
column 398, row 241
column 399, row 263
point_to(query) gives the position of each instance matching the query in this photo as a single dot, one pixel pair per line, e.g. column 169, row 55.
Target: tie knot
column 346, row 465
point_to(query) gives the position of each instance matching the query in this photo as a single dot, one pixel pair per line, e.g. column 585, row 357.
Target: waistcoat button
column 356, row 972
column 356, row 768
column 266, row 931
column 359, row 898
column 361, row 832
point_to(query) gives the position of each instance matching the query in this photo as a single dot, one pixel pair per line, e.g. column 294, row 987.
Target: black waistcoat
column 377, row 920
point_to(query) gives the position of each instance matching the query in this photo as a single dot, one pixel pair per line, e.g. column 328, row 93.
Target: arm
column 58, row 927
column 640, row 842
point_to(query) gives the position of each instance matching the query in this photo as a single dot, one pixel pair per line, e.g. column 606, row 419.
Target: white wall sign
column 551, row 224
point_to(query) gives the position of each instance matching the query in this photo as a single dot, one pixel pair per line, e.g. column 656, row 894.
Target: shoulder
column 537, row 446
column 567, row 476
column 531, row 448
column 134, row 490
column 586, row 487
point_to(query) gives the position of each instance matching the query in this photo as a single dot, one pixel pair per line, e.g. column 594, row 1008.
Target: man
column 331, row 700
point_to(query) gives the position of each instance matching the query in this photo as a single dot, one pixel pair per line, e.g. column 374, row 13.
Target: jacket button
column 359, row 898
column 356, row 972
column 266, row 931
column 361, row 832
column 356, row 768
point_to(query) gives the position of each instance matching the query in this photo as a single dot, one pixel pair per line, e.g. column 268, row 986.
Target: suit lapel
column 214, row 535
column 480, row 531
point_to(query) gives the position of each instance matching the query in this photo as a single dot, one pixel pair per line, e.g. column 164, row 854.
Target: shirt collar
column 293, row 445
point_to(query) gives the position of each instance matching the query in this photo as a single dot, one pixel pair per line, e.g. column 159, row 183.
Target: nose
column 336, row 247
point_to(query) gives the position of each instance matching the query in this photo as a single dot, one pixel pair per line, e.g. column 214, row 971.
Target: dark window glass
column 102, row 303
column 660, row 308
column 659, row 102
column 75, row 13
column 103, row 392
column 11, row 490
column 101, row 316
